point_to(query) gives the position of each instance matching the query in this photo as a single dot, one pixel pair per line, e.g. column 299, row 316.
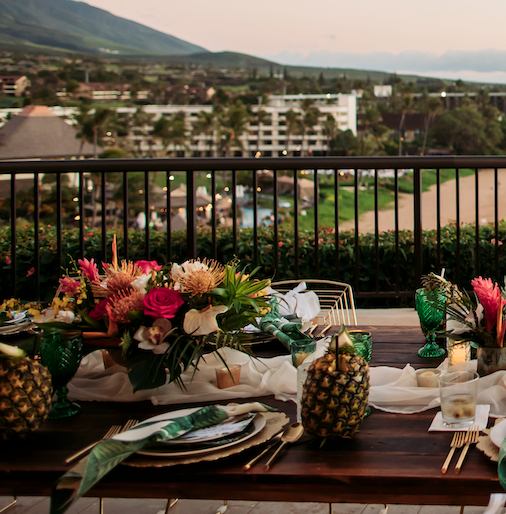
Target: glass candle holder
column 301, row 349
column 228, row 376
column 458, row 351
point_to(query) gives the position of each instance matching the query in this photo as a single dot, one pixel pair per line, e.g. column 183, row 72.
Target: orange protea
column 125, row 302
column 120, row 281
column 117, row 280
column 197, row 277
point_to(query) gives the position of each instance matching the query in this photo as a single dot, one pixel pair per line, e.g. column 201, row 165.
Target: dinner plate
column 162, row 450
column 17, row 328
column 16, row 317
column 498, row 433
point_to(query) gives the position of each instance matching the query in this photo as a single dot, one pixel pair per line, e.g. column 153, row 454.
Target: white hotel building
column 273, row 134
column 273, row 138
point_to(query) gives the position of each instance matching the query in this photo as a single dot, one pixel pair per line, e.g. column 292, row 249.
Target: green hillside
column 78, row 27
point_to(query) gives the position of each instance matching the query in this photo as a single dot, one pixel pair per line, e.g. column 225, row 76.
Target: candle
column 427, row 377
column 228, row 376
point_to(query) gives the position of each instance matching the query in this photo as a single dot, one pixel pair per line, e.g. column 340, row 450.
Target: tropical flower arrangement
column 165, row 318
column 482, row 319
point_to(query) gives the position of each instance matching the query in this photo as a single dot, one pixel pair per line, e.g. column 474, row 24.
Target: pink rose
column 147, row 266
column 100, row 309
column 161, row 302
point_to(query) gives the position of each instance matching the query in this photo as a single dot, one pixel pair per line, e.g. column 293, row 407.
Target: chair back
column 336, row 299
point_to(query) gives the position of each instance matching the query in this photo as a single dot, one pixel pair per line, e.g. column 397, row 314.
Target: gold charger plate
column 275, row 421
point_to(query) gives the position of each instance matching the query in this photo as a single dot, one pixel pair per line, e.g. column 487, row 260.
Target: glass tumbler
column 300, row 350
column 458, row 392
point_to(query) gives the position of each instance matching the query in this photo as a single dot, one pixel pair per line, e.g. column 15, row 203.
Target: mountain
column 71, row 26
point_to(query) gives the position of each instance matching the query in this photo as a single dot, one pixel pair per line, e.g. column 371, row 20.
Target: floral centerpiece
column 482, row 319
column 164, row 317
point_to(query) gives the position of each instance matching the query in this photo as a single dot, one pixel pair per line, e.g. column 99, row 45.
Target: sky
column 440, row 38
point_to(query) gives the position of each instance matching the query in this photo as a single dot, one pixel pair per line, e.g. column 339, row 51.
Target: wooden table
column 393, row 458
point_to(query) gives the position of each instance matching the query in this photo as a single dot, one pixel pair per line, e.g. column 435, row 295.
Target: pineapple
column 335, row 394
column 25, row 393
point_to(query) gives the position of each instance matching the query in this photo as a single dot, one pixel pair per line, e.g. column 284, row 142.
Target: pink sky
column 267, row 28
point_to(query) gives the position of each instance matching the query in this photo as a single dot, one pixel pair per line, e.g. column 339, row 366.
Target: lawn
column 327, row 198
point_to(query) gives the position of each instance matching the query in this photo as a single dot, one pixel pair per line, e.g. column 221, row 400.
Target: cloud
column 480, row 61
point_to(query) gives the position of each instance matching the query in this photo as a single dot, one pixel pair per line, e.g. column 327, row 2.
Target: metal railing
column 103, row 169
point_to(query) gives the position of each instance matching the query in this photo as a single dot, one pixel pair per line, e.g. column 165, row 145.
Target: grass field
column 327, row 197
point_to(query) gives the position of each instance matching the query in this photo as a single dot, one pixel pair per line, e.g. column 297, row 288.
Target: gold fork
column 114, row 430
column 471, row 438
column 458, row 441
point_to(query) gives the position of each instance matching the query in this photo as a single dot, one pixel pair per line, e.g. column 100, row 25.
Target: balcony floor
column 39, row 505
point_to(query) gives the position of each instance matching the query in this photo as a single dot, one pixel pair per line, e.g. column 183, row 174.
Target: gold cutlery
column 114, row 430
column 290, row 435
column 458, row 441
column 273, row 442
column 471, row 438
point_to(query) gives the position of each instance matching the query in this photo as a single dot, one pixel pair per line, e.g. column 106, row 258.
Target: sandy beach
column 486, row 205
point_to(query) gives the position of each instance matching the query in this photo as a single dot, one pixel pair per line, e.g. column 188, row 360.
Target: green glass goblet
column 362, row 342
column 431, row 318
column 61, row 353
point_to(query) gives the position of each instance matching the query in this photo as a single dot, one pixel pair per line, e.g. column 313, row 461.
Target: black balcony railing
column 131, row 190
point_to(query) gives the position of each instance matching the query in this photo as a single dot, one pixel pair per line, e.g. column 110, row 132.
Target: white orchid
column 202, row 322
column 140, row 283
column 153, row 337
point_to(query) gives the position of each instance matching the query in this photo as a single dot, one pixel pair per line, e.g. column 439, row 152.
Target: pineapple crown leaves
column 431, row 282
column 11, row 352
column 342, row 343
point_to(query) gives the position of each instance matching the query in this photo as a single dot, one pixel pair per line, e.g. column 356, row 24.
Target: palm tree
column 309, row 119
column 161, row 130
column 233, row 124
column 93, row 127
column 406, row 101
column 207, row 124
column 292, row 126
column 433, row 107
column 142, row 121
column 178, row 131
column 329, row 128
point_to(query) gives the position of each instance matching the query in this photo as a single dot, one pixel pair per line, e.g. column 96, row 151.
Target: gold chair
column 336, row 299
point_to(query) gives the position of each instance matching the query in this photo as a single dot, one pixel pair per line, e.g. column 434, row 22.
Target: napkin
column 109, row 453
column 481, row 420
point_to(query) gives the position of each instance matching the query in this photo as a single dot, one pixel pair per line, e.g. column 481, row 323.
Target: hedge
column 266, row 257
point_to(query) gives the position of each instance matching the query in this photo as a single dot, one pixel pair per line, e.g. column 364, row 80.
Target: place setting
column 225, row 439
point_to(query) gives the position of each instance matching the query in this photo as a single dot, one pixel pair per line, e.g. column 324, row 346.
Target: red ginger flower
column 89, row 269
column 490, row 297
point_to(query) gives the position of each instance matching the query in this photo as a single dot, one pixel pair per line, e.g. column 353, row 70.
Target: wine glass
column 61, row 353
column 431, row 318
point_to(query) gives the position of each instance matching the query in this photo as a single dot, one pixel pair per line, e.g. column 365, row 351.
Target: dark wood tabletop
column 392, row 459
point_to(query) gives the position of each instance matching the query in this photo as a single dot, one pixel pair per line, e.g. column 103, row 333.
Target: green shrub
column 348, row 257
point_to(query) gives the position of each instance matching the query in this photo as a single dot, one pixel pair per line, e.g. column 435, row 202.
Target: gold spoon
column 290, row 435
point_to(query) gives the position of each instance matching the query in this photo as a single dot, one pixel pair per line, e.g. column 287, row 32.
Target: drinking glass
column 362, row 342
column 61, row 353
column 458, row 392
column 300, row 350
column 431, row 318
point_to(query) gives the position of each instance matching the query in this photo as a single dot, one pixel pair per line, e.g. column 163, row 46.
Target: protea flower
column 197, row 278
column 123, row 303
